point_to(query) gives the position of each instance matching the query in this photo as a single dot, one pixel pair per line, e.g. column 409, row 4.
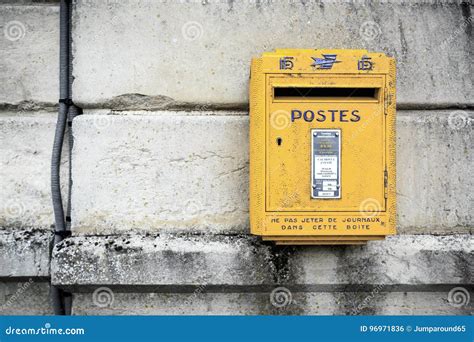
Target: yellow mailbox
column 322, row 146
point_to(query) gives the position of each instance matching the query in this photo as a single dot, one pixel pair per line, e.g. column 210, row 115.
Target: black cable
column 60, row 228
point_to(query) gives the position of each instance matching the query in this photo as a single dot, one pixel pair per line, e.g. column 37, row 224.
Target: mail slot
column 322, row 146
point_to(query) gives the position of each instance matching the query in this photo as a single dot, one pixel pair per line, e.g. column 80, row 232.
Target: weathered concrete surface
column 435, row 164
column 235, row 275
column 29, row 50
column 26, row 297
column 168, row 263
column 162, row 172
column 24, row 272
column 24, row 253
column 260, row 303
column 200, row 51
column 26, row 142
column 170, row 172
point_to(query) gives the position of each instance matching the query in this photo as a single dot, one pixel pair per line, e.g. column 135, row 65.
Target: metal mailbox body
column 322, row 146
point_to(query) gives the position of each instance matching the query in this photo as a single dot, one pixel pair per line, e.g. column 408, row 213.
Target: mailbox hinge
column 385, row 183
column 387, row 100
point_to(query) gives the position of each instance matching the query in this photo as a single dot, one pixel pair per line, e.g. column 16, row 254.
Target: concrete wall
column 28, row 93
column 160, row 162
column 199, row 51
column 29, row 53
column 24, row 272
column 190, row 172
